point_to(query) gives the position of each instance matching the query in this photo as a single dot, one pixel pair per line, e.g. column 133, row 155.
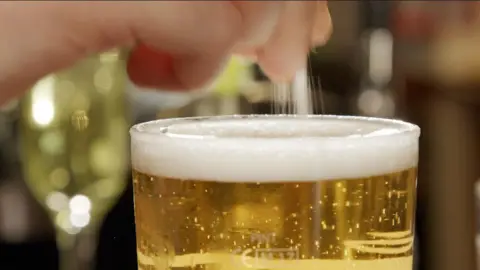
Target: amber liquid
column 362, row 223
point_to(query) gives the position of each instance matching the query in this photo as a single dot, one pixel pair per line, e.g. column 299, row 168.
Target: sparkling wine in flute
column 275, row 192
column 74, row 144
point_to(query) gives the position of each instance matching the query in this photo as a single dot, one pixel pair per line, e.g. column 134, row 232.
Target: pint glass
column 275, row 192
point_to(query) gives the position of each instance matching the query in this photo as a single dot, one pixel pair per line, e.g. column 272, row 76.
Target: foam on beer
column 274, row 148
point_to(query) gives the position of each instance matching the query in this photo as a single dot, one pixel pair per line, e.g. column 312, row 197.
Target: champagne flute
column 74, row 132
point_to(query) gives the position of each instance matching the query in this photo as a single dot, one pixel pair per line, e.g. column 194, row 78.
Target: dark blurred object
column 258, row 74
column 437, row 63
column 376, row 97
column 336, row 82
column 21, row 218
column 375, row 14
column 477, row 210
column 116, row 250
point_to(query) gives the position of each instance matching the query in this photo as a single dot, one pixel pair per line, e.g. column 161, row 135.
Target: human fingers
column 49, row 35
column 322, row 25
column 259, row 20
column 286, row 51
column 188, row 49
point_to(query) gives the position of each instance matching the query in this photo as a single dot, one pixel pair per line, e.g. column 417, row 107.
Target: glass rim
column 160, row 126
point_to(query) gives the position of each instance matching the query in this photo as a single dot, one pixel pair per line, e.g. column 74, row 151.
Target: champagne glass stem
column 77, row 251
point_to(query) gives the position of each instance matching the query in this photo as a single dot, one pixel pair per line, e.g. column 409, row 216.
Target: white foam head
column 260, row 148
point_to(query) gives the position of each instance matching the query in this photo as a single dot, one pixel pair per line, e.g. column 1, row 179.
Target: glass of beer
column 275, row 192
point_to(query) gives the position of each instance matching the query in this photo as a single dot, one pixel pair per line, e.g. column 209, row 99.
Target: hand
column 176, row 44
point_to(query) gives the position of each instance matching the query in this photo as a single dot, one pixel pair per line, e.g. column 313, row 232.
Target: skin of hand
column 177, row 45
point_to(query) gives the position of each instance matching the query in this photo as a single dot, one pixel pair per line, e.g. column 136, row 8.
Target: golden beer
column 275, row 192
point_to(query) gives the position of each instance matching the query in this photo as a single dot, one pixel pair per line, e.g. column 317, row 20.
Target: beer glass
column 275, row 192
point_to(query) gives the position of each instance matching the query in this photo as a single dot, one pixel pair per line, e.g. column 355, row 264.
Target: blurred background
column 412, row 60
